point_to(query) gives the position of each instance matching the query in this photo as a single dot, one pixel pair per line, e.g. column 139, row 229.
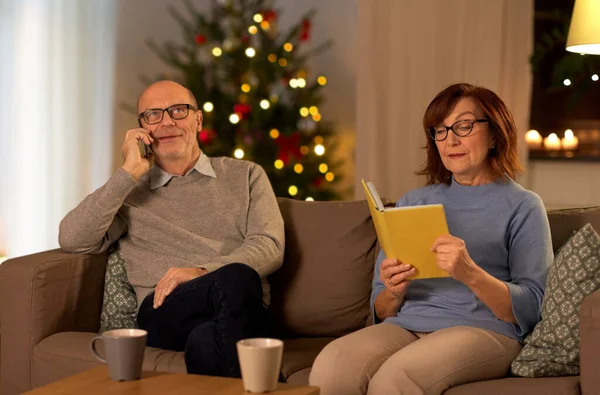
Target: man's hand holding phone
column 135, row 163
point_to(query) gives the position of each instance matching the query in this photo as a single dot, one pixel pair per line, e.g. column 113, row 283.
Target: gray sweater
column 197, row 220
column 506, row 232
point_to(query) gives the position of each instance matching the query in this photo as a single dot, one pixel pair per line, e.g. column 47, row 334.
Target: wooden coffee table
column 96, row 381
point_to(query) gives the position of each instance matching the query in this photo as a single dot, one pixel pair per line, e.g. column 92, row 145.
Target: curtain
column 56, row 103
column 410, row 50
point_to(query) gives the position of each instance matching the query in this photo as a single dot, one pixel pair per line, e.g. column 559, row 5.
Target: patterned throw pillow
column 552, row 349
column 119, row 304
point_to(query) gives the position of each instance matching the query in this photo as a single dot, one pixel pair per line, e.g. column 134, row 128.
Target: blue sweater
column 506, row 232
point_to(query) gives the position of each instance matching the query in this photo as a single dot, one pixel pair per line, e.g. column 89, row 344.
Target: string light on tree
column 264, row 104
column 208, row 106
column 323, row 168
column 253, row 30
column 216, row 51
column 304, row 150
column 282, row 62
column 322, row 80
column 319, row 149
column 265, row 25
column 258, row 18
column 274, row 133
column 288, row 47
column 272, row 58
column 238, row 153
column 293, row 83
column 329, row 176
column 313, row 110
column 234, row 118
column 316, row 117
column 595, row 77
column 250, row 52
column 304, row 111
column 309, row 199
column 246, row 88
column 567, row 82
column 278, row 164
column 301, row 82
column 293, row 190
column 298, row 168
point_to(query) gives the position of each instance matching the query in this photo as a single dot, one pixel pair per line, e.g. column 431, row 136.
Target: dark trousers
column 206, row 316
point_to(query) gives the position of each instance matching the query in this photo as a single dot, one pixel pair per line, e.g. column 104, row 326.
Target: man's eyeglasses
column 176, row 111
column 460, row 128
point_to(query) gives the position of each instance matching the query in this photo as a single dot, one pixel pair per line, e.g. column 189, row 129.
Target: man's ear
column 199, row 119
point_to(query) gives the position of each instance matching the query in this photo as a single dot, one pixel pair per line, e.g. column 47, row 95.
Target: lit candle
column 533, row 139
column 569, row 142
column 552, row 142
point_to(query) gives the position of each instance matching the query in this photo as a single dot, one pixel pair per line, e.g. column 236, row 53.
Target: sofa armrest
column 40, row 295
column 589, row 330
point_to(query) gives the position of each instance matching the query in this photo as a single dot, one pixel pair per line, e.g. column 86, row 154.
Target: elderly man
column 197, row 234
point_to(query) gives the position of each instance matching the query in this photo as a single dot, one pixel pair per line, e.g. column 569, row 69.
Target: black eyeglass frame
column 162, row 115
column 431, row 131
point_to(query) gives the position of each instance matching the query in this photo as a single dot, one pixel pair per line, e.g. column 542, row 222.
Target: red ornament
column 317, row 182
column 206, row 135
column 305, row 30
column 200, row 39
column 243, row 110
column 269, row 15
column 289, row 147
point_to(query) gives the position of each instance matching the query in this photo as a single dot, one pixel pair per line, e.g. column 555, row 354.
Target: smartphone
column 144, row 149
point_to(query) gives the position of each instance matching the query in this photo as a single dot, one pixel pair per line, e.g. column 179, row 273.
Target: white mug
column 260, row 363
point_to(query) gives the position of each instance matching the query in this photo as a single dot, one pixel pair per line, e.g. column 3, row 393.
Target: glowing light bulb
column 567, row 82
column 322, row 80
column 250, row 52
column 304, row 111
column 298, row 168
column 279, row 164
column 258, row 18
column 595, row 77
column 216, row 51
column 294, row 83
column 293, row 190
column 274, row 133
column 309, row 199
column 252, row 29
column 323, row 168
column 301, row 82
column 288, row 47
column 329, row 176
column 319, row 149
column 264, row 104
column 234, row 118
column 246, row 88
column 238, row 153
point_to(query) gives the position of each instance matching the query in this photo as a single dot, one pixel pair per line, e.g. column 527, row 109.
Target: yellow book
column 407, row 233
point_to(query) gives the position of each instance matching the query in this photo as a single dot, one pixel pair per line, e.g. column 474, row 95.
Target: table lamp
column 584, row 31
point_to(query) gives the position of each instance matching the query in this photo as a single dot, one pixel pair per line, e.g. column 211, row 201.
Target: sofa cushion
column 520, row 386
column 68, row 353
column 119, row 303
column 299, row 354
column 566, row 221
column 552, row 349
column 324, row 284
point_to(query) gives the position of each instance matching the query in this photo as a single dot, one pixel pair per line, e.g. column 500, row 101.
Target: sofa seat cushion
column 299, row 354
column 68, row 353
column 520, row 386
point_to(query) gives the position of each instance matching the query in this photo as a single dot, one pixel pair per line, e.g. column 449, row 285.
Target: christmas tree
column 258, row 99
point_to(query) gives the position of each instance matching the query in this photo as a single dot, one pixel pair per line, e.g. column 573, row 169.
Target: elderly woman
column 433, row 334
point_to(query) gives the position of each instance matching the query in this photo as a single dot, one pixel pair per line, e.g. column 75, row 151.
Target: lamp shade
column 584, row 32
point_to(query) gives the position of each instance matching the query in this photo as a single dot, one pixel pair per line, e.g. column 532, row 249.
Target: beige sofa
column 50, row 304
